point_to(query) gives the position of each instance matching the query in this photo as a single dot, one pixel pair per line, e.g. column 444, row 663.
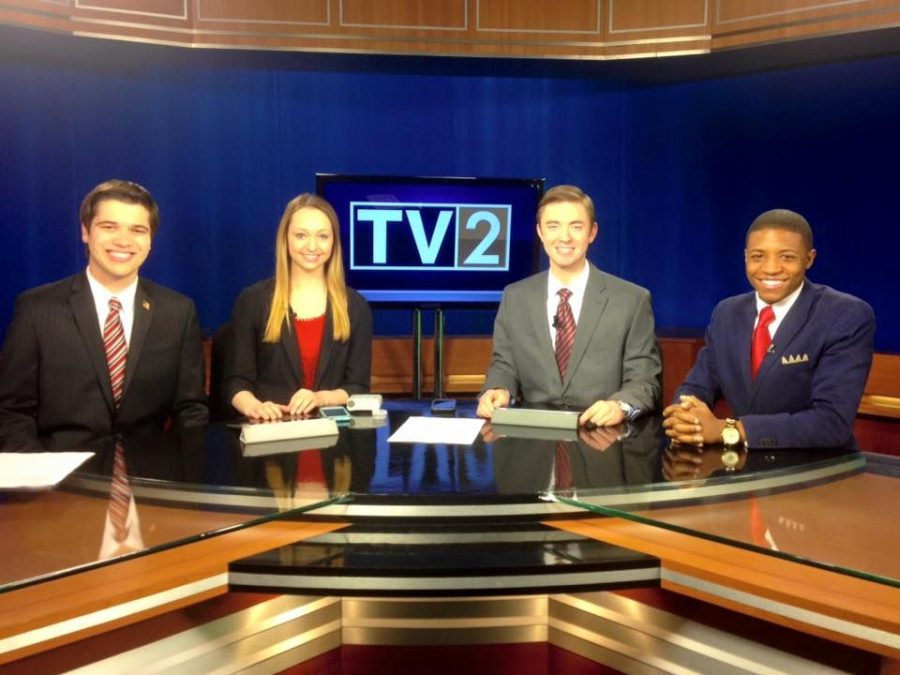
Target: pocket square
column 794, row 358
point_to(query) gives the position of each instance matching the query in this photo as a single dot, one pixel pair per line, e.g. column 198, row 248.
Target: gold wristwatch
column 730, row 433
column 731, row 439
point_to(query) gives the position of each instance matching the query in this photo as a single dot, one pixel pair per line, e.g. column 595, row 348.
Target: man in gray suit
column 612, row 367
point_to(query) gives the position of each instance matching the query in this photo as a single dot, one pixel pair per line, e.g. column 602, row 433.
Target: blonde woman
column 303, row 339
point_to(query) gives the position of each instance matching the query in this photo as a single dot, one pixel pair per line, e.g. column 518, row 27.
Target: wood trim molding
column 835, row 606
column 578, row 29
column 57, row 612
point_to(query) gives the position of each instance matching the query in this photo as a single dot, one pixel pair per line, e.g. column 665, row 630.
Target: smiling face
column 310, row 240
column 118, row 239
column 566, row 232
column 776, row 261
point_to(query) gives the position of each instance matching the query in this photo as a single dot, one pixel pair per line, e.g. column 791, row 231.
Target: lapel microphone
column 556, row 321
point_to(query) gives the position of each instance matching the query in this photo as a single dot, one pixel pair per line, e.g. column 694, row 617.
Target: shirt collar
column 783, row 306
column 102, row 294
column 577, row 286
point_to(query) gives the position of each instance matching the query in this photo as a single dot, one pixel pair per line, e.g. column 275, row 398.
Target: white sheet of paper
column 446, row 430
column 34, row 470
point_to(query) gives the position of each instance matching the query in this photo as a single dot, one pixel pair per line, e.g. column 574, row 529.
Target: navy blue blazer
column 54, row 381
column 272, row 370
column 808, row 388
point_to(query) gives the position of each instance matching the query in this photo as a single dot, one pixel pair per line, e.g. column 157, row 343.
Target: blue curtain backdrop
column 224, row 139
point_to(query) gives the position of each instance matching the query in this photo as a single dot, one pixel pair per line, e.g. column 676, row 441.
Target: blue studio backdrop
column 224, row 139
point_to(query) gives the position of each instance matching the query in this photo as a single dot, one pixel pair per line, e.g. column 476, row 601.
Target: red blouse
column 309, row 341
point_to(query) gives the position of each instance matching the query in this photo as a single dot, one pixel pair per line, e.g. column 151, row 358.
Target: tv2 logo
column 414, row 236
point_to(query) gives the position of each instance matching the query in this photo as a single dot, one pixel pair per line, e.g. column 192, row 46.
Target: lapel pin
column 145, row 305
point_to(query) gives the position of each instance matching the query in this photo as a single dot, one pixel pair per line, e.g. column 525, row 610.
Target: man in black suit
column 56, row 387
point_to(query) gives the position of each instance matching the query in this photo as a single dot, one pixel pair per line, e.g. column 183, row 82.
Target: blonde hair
column 567, row 193
column 336, row 287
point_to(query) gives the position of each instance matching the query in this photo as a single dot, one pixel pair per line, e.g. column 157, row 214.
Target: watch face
column 731, row 436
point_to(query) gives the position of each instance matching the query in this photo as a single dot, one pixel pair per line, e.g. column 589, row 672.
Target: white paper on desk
column 445, row 430
column 35, row 470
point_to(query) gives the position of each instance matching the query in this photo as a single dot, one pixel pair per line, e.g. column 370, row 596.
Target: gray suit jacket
column 615, row 356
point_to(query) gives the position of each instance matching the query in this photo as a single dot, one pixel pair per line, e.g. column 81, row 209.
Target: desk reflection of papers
column 288, row 445
column 537, row 433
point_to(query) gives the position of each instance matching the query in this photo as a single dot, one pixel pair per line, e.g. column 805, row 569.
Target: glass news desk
column 514, row 513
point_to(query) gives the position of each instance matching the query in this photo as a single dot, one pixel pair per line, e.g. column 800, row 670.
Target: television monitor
column 418, row 240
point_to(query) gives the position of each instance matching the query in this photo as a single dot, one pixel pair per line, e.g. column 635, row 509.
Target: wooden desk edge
column 43, row 616
column 757, row 584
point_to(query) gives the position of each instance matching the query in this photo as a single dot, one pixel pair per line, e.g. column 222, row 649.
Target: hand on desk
column 303, row 402
column 265, row 411
column 692, row 422
column 602, row 414
column 491, row 399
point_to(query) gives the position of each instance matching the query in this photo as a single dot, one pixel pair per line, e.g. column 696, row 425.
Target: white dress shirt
column 101, row 304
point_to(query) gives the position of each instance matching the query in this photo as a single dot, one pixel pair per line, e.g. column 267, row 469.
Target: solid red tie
column 565, row 331
column 761, row 339
column 116, row 349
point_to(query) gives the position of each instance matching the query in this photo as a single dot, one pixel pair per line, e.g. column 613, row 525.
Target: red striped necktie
column 116, row 349
column 120, row 496
column 565, row 331
column 562, row 466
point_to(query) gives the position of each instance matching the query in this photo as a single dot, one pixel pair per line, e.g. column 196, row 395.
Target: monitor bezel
column 434, row 297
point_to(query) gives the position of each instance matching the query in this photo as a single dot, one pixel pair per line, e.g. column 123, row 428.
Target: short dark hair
column 783, row 219
column 568, row 193
column 122, row 191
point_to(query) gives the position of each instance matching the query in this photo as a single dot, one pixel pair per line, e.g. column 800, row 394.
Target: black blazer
column 54, row 381
column 272, row 370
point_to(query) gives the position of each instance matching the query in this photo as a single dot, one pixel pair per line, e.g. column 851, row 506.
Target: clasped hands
column 600, row 414
column 692, row 422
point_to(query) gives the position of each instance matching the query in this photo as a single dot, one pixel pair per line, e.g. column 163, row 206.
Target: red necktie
column 116, row 349
column 761, row 339
column 565, row 331
column 119, row 496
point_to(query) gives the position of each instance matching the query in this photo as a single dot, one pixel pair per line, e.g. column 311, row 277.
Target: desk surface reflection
column 191, row 485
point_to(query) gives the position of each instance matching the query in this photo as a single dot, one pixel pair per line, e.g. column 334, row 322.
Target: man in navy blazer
column 811, row 378
column 55, row 383
column 614, row 367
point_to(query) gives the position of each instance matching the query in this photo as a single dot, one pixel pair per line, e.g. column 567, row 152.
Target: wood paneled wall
column 593, row 29
column 466, row 360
